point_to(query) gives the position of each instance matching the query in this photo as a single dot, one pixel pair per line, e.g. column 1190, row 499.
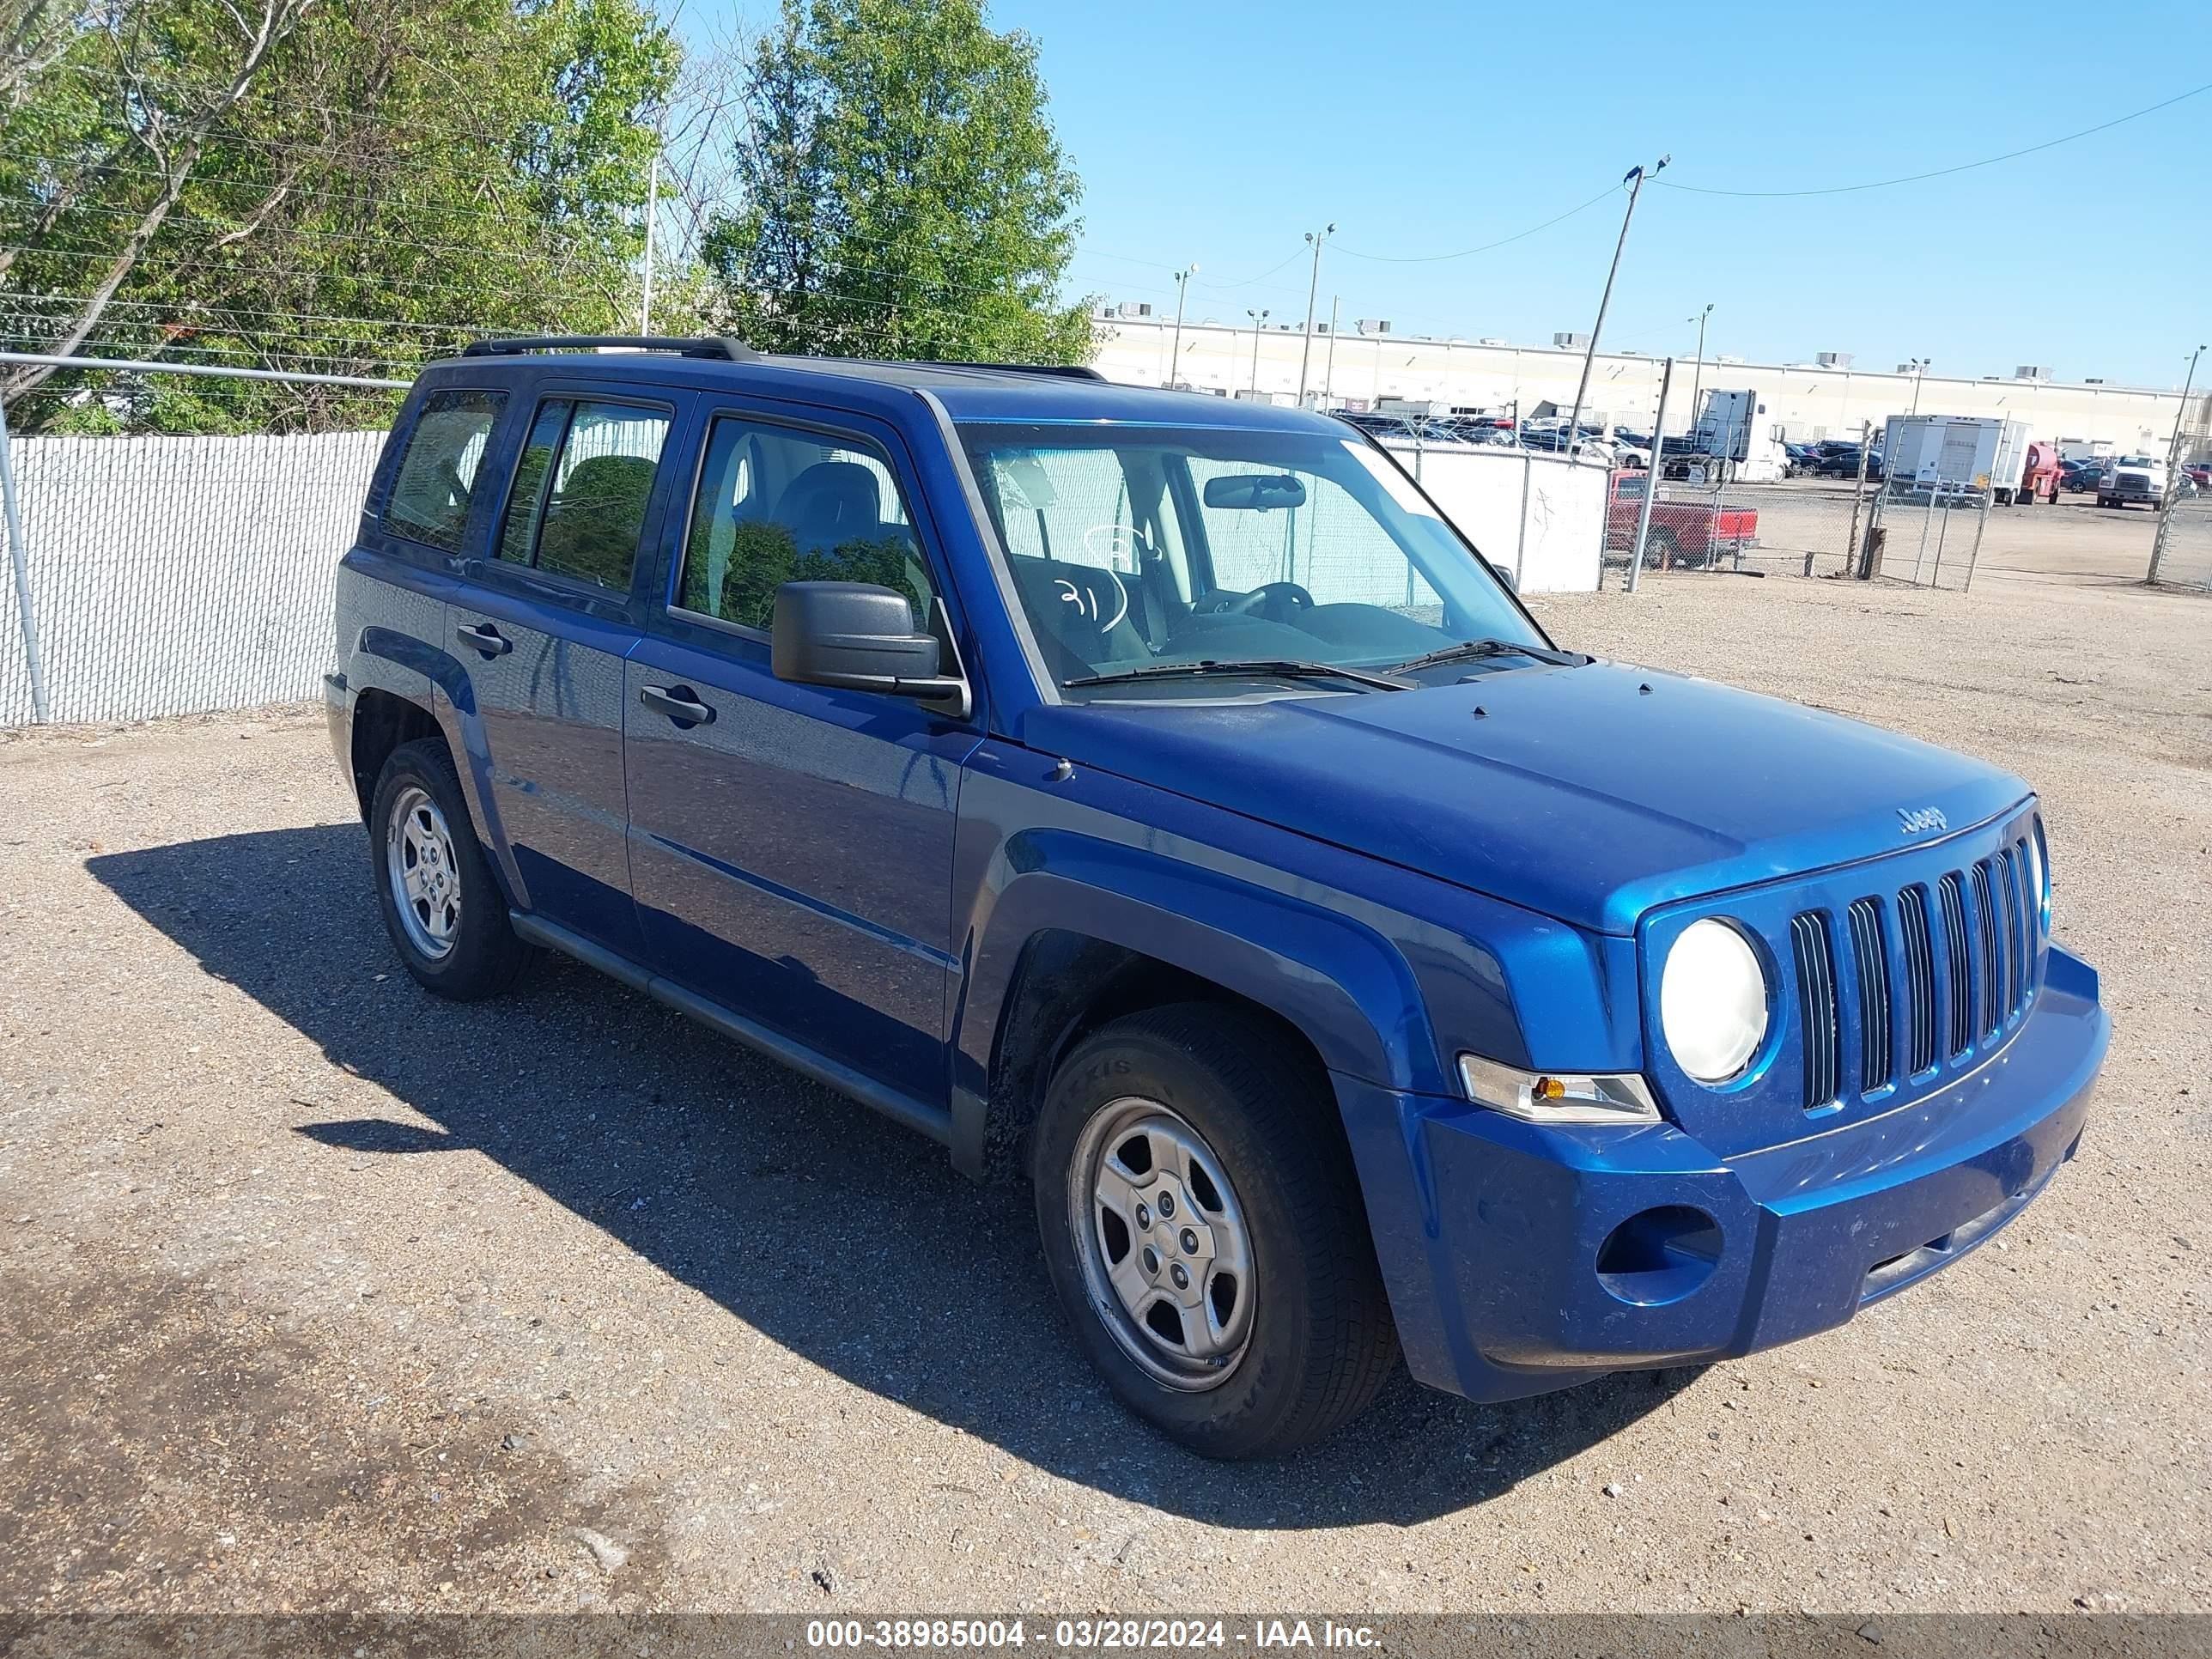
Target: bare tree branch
column 278, row 18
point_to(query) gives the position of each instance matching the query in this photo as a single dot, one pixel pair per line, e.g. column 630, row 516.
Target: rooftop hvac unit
column 1832, row 359
column 1570, row 341
column 1134, row 308
column 2094, row 380
column 2031, row 372
column 1373, row 325
column 1490, row 340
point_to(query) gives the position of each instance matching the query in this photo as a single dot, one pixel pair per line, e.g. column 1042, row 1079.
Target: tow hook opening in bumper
column 1659, row 1255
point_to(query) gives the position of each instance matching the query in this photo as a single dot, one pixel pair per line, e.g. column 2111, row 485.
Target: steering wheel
column 1266, row 597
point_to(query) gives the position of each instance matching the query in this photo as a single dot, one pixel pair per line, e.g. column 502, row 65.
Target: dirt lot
column 314, row 1293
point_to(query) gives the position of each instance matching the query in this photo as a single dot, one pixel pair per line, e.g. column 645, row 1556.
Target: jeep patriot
column 1154, row 797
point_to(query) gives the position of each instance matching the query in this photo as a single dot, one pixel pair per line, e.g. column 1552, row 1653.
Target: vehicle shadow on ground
column 834, row 1232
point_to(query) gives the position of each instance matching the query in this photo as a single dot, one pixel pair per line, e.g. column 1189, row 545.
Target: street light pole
column 1634, row 179
column 1919, row 373
column 1259, row 322
column 1175, row 351
column 1698, row 372
column 1313, row 288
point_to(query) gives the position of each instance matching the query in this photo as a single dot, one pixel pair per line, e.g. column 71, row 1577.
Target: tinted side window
column 777, row 505
column 581, row 489
column 429, row 499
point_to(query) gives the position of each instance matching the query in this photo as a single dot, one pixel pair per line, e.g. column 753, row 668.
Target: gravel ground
column 318, row 1294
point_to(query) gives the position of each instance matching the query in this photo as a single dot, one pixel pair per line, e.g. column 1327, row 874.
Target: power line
column 1944, row 172
column 1467, row 252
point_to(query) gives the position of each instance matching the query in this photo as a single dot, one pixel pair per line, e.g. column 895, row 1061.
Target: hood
column 1589, row 794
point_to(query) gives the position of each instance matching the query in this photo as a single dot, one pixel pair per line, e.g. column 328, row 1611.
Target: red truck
column 1694, row 532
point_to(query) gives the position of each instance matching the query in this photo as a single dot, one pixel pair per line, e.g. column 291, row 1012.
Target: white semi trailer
column 1955, row 453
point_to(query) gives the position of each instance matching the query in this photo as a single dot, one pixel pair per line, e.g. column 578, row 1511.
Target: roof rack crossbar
column 703, row 345
column 1060, row 371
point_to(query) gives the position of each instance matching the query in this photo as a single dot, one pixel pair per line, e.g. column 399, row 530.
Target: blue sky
column 1220, row 132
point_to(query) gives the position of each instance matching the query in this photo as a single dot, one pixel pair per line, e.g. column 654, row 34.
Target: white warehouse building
column 1809, row 401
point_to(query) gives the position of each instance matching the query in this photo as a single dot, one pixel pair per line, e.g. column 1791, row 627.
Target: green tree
column 903, row 193
column 333, row 185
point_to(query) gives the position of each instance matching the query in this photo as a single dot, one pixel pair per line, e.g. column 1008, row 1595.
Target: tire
column 1282, row 1333
column 452, row 930
column 1661, row 548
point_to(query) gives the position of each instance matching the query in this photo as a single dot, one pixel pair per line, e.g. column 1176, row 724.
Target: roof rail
column 1060, row 371
column 703, row 345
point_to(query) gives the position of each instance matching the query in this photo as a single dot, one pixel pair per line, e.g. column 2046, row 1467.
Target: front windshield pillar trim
column 995, row 553
column 1512, row 594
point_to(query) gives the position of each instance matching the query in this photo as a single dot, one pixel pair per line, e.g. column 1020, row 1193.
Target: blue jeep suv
column 1155, row 796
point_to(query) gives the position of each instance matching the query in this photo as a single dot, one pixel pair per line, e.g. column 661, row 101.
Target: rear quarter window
column 438, row 470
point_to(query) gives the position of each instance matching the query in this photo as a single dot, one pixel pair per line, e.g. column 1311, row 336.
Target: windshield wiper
column 1287, row 668
column 1466, row 650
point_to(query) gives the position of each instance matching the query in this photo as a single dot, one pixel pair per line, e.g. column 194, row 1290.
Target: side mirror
column 1505, row 576
column 856, row 636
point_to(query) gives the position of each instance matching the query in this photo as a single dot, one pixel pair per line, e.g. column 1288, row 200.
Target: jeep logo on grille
column 1913, row 820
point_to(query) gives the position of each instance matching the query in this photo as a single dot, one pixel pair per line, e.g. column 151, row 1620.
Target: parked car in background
column 1353, row 972
column 1803, row 459
column 2079, row 476
column 2130, row 480
column 2199, row 473
column 1833, row 458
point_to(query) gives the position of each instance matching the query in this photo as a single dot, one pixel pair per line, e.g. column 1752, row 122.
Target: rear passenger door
column 792, row 845
column 542, row 625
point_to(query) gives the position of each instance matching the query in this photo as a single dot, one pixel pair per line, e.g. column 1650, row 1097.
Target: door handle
column 485, row 637
column 679, row 703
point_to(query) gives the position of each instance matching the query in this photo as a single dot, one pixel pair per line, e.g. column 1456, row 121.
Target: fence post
column 19, row 558
column 1981, row 526
column 1521, row 544
column 1651, row 475
column 1855, row 561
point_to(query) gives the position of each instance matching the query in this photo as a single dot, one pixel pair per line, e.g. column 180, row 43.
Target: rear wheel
column 445, row 913
column 1203, row 1225
column 1662, row 548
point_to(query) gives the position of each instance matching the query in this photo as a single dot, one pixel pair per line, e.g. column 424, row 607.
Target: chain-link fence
column 172, row 576
column 1796, row 526
column 2181, row 556
column 1928, row 534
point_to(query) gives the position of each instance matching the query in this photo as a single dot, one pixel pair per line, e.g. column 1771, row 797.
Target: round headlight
column 1712, row 1001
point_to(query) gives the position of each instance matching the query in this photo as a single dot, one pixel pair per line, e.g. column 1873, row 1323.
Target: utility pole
column 1634, row 179
column 1175, row 351
column 1313, row 288
column 1328, row 368
column 2173, row 466
column 1258, row 323
column 652, row 213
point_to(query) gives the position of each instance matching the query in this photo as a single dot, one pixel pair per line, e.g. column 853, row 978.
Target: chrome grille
column 1867, row 951
column 1951, row 893
column 1919, row 979
column 1991, row 939
column 1957, row 991
column 1816, row 1001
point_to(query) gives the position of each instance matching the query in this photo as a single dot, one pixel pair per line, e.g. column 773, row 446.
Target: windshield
column 1131, row 546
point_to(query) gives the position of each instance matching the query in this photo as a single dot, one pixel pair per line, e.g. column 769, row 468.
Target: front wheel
column 1203, row 1225
column 445, row 913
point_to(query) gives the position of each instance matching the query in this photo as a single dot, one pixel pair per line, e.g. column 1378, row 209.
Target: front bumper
column 1521, row 1259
